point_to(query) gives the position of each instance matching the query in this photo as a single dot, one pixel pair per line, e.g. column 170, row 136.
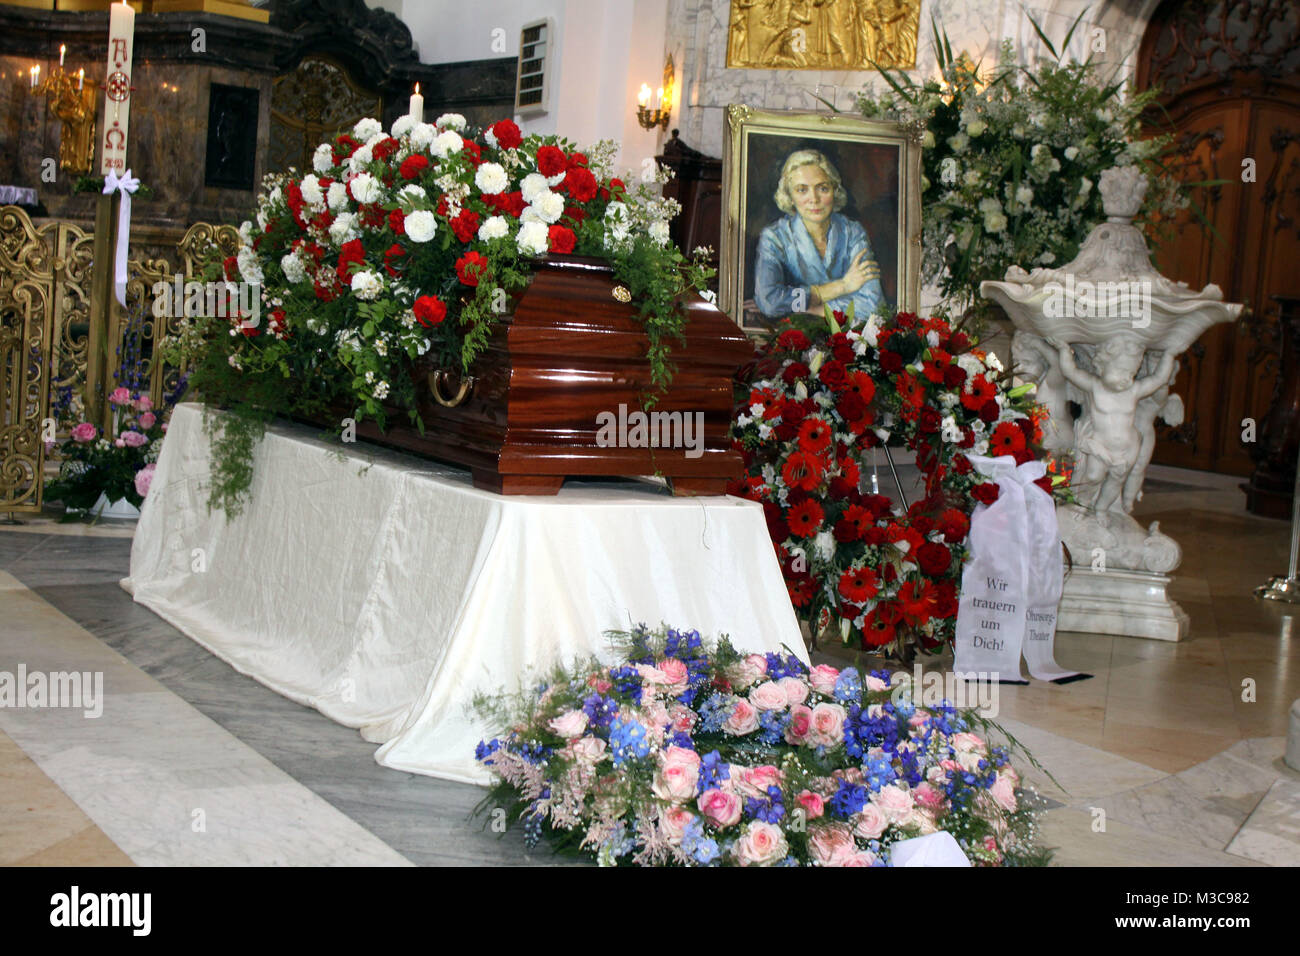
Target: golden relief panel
column 823, row 34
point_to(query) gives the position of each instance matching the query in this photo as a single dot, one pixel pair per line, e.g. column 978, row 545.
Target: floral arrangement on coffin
column 822, row 397
column 1010, row 161
column 118, row 466
column 407, row 244
column 702, row 756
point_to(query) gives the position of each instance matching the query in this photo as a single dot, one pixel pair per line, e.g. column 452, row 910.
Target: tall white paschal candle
column 117, row 92
column 417, row 105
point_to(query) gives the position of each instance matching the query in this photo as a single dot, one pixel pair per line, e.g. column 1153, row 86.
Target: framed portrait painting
column 821, row 209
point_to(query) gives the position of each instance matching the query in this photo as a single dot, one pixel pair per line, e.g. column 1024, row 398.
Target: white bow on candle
column 127, row 184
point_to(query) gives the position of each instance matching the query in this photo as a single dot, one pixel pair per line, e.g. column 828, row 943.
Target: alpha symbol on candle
column 119, row 49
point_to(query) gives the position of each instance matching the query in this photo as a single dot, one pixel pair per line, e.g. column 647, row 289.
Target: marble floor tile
column 1071, row 832
column 1272, row 832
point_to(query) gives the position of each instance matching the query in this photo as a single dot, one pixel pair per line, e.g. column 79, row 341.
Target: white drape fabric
column 385, row 591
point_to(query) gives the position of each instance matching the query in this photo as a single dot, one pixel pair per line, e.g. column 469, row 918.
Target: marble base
column 1293, row 738
column 1125, row 603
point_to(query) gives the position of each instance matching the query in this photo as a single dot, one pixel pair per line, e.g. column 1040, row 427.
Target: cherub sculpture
column 1108, row 439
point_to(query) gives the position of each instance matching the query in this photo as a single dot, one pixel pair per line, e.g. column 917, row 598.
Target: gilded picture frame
column 876, row 216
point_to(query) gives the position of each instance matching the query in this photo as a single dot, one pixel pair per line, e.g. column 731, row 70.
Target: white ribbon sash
column 126, row 184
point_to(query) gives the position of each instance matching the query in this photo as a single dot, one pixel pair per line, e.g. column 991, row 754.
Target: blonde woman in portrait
column 814, row 256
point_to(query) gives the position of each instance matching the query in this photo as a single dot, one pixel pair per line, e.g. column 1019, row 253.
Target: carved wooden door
column 312, row 104
column 1228, row 72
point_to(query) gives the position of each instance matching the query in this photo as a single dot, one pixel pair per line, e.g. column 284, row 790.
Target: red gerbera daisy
column 978, row 391
column 805, row 519
column 1007, row 439
column 803, row 471
column 814, row 436
column 859, row 585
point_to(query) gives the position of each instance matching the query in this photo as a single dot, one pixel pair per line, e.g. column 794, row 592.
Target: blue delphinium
column 599, row 710
column 627, row 741
column 877, row 773
column 779, row 666
column 714, row 713
column 627, row 680
column 769, row 809
column 485, row 750
column 848, row 799
column 712, row 770
column 772, row 726
column 848, row 686
column 697, row 845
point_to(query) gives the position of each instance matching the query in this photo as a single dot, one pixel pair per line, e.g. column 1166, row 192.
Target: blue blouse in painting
column 788, row 266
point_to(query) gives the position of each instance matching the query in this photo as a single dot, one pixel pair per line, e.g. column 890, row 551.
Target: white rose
column 494, row 227
column 323, row 159
column 450, row 121
column 491, row 179
column 659, row 232
column 366, row 284
column 366, row 189
column 249, row 267
column 532, row 238
column 402, row 125
column 421, row 225
column 366, row 128
column 337, row 196
column 445, row 144
column 532, row 186
column 343, row 228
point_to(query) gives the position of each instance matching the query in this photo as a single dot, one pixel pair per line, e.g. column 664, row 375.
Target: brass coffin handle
column 436, row 381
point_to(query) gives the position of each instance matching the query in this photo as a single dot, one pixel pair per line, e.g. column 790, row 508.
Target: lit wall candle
column 35, row 74
column 417, row 105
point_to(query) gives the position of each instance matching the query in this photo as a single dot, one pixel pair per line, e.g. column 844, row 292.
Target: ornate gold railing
column 66, row 343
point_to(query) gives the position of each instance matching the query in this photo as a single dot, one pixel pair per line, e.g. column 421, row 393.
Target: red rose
column 930, row 420
column 561, row 239
column 891, row 361
column 954, row 376
column 465, row 225
column 833, row 374
column 851, row 406
column 933, row 558
column 230, row 266
column 551, row 161
column 506, row 134
column 470, row 268
column 961, row 465
column 793, row 340
column 1045, row 483
column 580, row 184
column 429, row 310
column 986, row 493
column 413, row 165
column 954, row 525
column 795, row 371
column 777, row 529
column 990, row 411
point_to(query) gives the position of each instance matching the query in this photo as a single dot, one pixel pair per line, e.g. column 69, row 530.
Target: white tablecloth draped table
column 385, row 591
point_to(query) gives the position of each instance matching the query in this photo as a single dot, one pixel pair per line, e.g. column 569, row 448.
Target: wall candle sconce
column 74, row 104
column 660, row 115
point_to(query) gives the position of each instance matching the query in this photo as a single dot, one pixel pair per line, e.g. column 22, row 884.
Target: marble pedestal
column 1116, row 601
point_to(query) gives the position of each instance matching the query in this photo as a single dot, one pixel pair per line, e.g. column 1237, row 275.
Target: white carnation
column 249, row 266
column 402, row 125
column 494, row 227
column 344, row 227
column 246, row 233
column 532, row 238
column 367, row 128
column 532, row 186
column 337, row 196
column 659, row 232
column 421, row 225
column 367, row 284
column 311, row 191
column 550, row 206
column 323, row 159
column 359, row 160
column 491, row 179
column 411, row 192
column 450, row 121
column 291, row 265
column 366, row 189
column 422, row 135
column 445, row 144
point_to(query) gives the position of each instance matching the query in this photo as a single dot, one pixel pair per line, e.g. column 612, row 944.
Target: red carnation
column 551, row 161
column 390, row 254
column 470, row 268
column 986, row 492
column 561, row 239
column 385, row 148
column 465, row 225
column 350, row 253
column 574, row 213
column 397, row 222
column 472, row 151
column 580, row 184
column 833, row 374
column 507, row 134
column 413, row 165
column 805, row 518
column 795, row 371
column 933, row 558
column 429, row 310
column 859, row 585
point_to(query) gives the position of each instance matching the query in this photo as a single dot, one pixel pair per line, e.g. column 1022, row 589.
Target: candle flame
column 417, row 87
column 644, row 96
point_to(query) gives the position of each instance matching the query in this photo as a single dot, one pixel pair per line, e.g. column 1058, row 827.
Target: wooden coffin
column 530, row 412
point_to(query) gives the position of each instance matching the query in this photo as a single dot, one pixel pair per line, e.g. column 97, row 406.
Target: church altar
column 385, row 590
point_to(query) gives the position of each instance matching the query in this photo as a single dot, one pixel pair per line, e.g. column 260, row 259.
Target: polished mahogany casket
column 570, row 358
